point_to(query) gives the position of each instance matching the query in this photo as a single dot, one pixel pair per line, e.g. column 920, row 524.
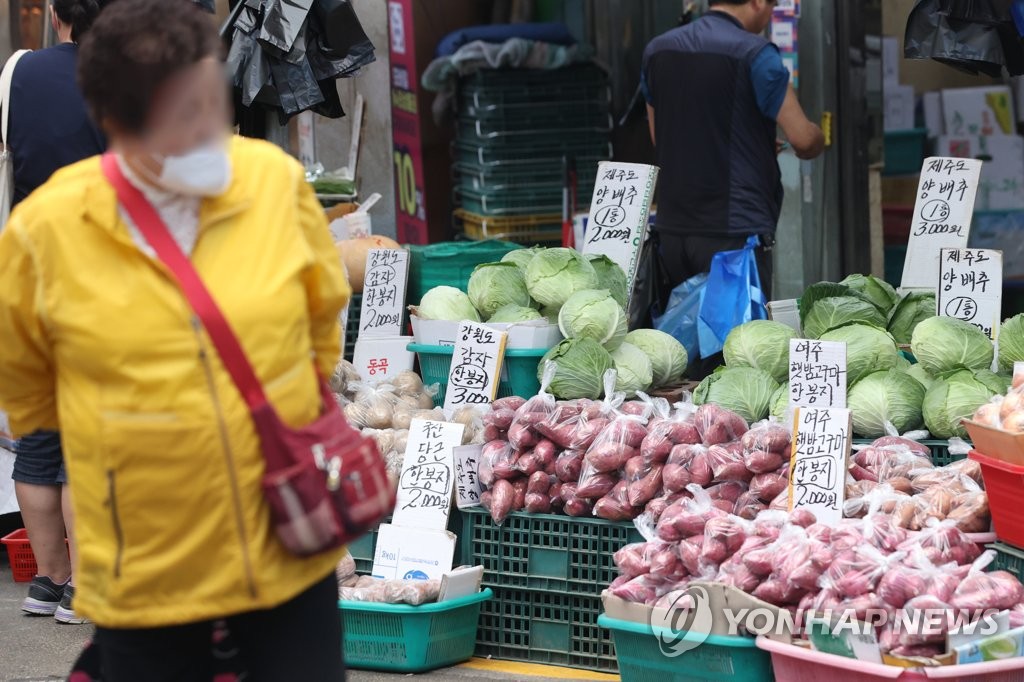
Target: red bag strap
column 152, row 227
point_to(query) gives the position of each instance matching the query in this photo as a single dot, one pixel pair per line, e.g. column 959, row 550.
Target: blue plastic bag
column 680, row 318
column 733, row 296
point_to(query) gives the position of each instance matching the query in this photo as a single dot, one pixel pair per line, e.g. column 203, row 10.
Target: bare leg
column 41, row 511
column 69, row 526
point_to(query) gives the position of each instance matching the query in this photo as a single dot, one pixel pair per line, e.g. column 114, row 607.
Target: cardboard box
column 412, row 553
column 979, row 111
column 1002, row 175
column 536, row 334
column 899, row 103
column 996, row 443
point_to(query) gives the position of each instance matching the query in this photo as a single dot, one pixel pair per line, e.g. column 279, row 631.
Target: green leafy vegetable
column 914, row 307
column 667, row 355
column 746, row 391
column 521, row 257
column 447, row 303
column 1011, row 343
column 889, row 396
column 921, row 374
column 633, row 369
column 593, row 314
column 493, row 285
column 556, row 274
column 868, row 349
column 956, row 396
column 780, row 402
column 508, row 314
column 581, row 364
column 943, row 344
column 611, row 277
column 878, row 291
column 762, row 344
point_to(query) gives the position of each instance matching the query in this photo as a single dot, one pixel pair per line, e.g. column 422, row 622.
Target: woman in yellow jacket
column 162, row 457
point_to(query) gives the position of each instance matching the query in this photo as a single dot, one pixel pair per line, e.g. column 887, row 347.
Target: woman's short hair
column 133, row 48
column 78, row 14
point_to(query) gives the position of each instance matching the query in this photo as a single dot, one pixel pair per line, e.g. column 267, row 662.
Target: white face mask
column 203, row 172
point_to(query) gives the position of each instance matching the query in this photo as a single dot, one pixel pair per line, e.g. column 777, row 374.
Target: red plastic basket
column 1003, row 483
column 19, row 551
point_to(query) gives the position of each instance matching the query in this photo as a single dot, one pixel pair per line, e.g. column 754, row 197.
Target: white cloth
column 179, row 213
column 8, row 500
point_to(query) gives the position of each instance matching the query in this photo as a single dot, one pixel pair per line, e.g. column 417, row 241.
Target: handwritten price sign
column 617, row 225
column 468, row 487
column 817, row 373
column 971, row 287
column 942, row 216
column 425, row 486
column 476, row 366
column 384, row 292
column 821, row 450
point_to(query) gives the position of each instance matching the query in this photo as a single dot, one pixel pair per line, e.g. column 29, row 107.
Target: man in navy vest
column 716, row 92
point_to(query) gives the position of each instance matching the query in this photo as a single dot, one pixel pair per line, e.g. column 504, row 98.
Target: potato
column 407, row 383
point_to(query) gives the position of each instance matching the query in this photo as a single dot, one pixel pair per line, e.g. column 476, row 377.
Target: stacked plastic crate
column 516, row 128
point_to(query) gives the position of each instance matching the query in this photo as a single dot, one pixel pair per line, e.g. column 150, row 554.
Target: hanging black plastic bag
column 976, row 36
column 341, row 26
column 652, row 286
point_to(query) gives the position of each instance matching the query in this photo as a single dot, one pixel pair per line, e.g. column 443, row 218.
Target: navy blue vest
column 716, row 150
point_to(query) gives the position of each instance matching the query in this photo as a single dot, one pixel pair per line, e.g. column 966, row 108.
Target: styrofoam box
column 521, row 335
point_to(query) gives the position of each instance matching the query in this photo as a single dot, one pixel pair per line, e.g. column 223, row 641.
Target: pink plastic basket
column 796, row 664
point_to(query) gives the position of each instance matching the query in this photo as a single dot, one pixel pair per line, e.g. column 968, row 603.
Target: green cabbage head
column 745, row 390
column 493, row 285
column 667, row 355
column 511, row 313
column 921, row 374
column 878, row 291
column 521, row 257
column 943, row 344
column 447, row 303
column 868, row 349
column 580, row 367
column 827, row 305
column 633, row 369
column 956, row 396
column 1011, row 343
column 554, row 275
column 780, row 402
column 914, row 307
column 762, row 344
column 611, row 277
column 594, row 314
column 889, row 396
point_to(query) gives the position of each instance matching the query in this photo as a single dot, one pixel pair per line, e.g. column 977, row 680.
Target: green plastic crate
column 410, row 639
column 551, row 628
column 523, row 154
column 544, row 551
column 904, row 151
column 450, row 264
column 518, row 373
column 939, row 448
column 1008, row 558
column 720, row 658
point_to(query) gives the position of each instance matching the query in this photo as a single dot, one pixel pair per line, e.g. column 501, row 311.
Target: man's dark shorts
column 39, row 460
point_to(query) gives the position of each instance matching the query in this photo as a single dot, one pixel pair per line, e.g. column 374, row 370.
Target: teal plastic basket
column 518, row 374
column 410, row 639
column 719, row 658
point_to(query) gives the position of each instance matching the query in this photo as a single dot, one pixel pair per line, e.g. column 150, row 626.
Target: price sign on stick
column 942, row 216
column 821, row 451
column 467, row 480
column 971, row 287
column 476, row 367
column 384, row 292
column 817, row 373
column 617, row 225
column 425, row 486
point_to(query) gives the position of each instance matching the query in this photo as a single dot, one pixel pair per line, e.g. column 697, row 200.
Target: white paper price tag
column 617, row 225
column 468, row 487
column 942, row 216
column 817, row 373
column 384, row 286
column 971, row 287
column 821, row 452
column 425, row 486
column 476, row 366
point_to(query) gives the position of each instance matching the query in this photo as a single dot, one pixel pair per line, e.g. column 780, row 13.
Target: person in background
column 49, row 128
column 717, row 91
column 163, row 457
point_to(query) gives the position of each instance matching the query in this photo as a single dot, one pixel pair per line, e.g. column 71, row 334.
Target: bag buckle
column 332, row 466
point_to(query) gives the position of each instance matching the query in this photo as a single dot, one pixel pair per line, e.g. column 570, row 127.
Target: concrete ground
column 38, row 649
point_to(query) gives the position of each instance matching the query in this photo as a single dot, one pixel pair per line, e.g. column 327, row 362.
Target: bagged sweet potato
column 717, row 425
column 568, row 466
column 522, row 434
column 748, row 506
column 971, row 513
column 768, row 486
column 688, row 516
column 663, row 558
column 943, row 542
column 897, row 442
column 643, row 589
column 997, row 590
column 727, row 465
column 502, row 500
column 632, row 560
column 643, row 488
column 615, row 505
column 723, row 536
column 594, row 484
column 767, row 437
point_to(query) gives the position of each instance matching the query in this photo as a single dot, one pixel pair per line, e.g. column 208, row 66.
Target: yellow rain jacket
column 164, row 463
